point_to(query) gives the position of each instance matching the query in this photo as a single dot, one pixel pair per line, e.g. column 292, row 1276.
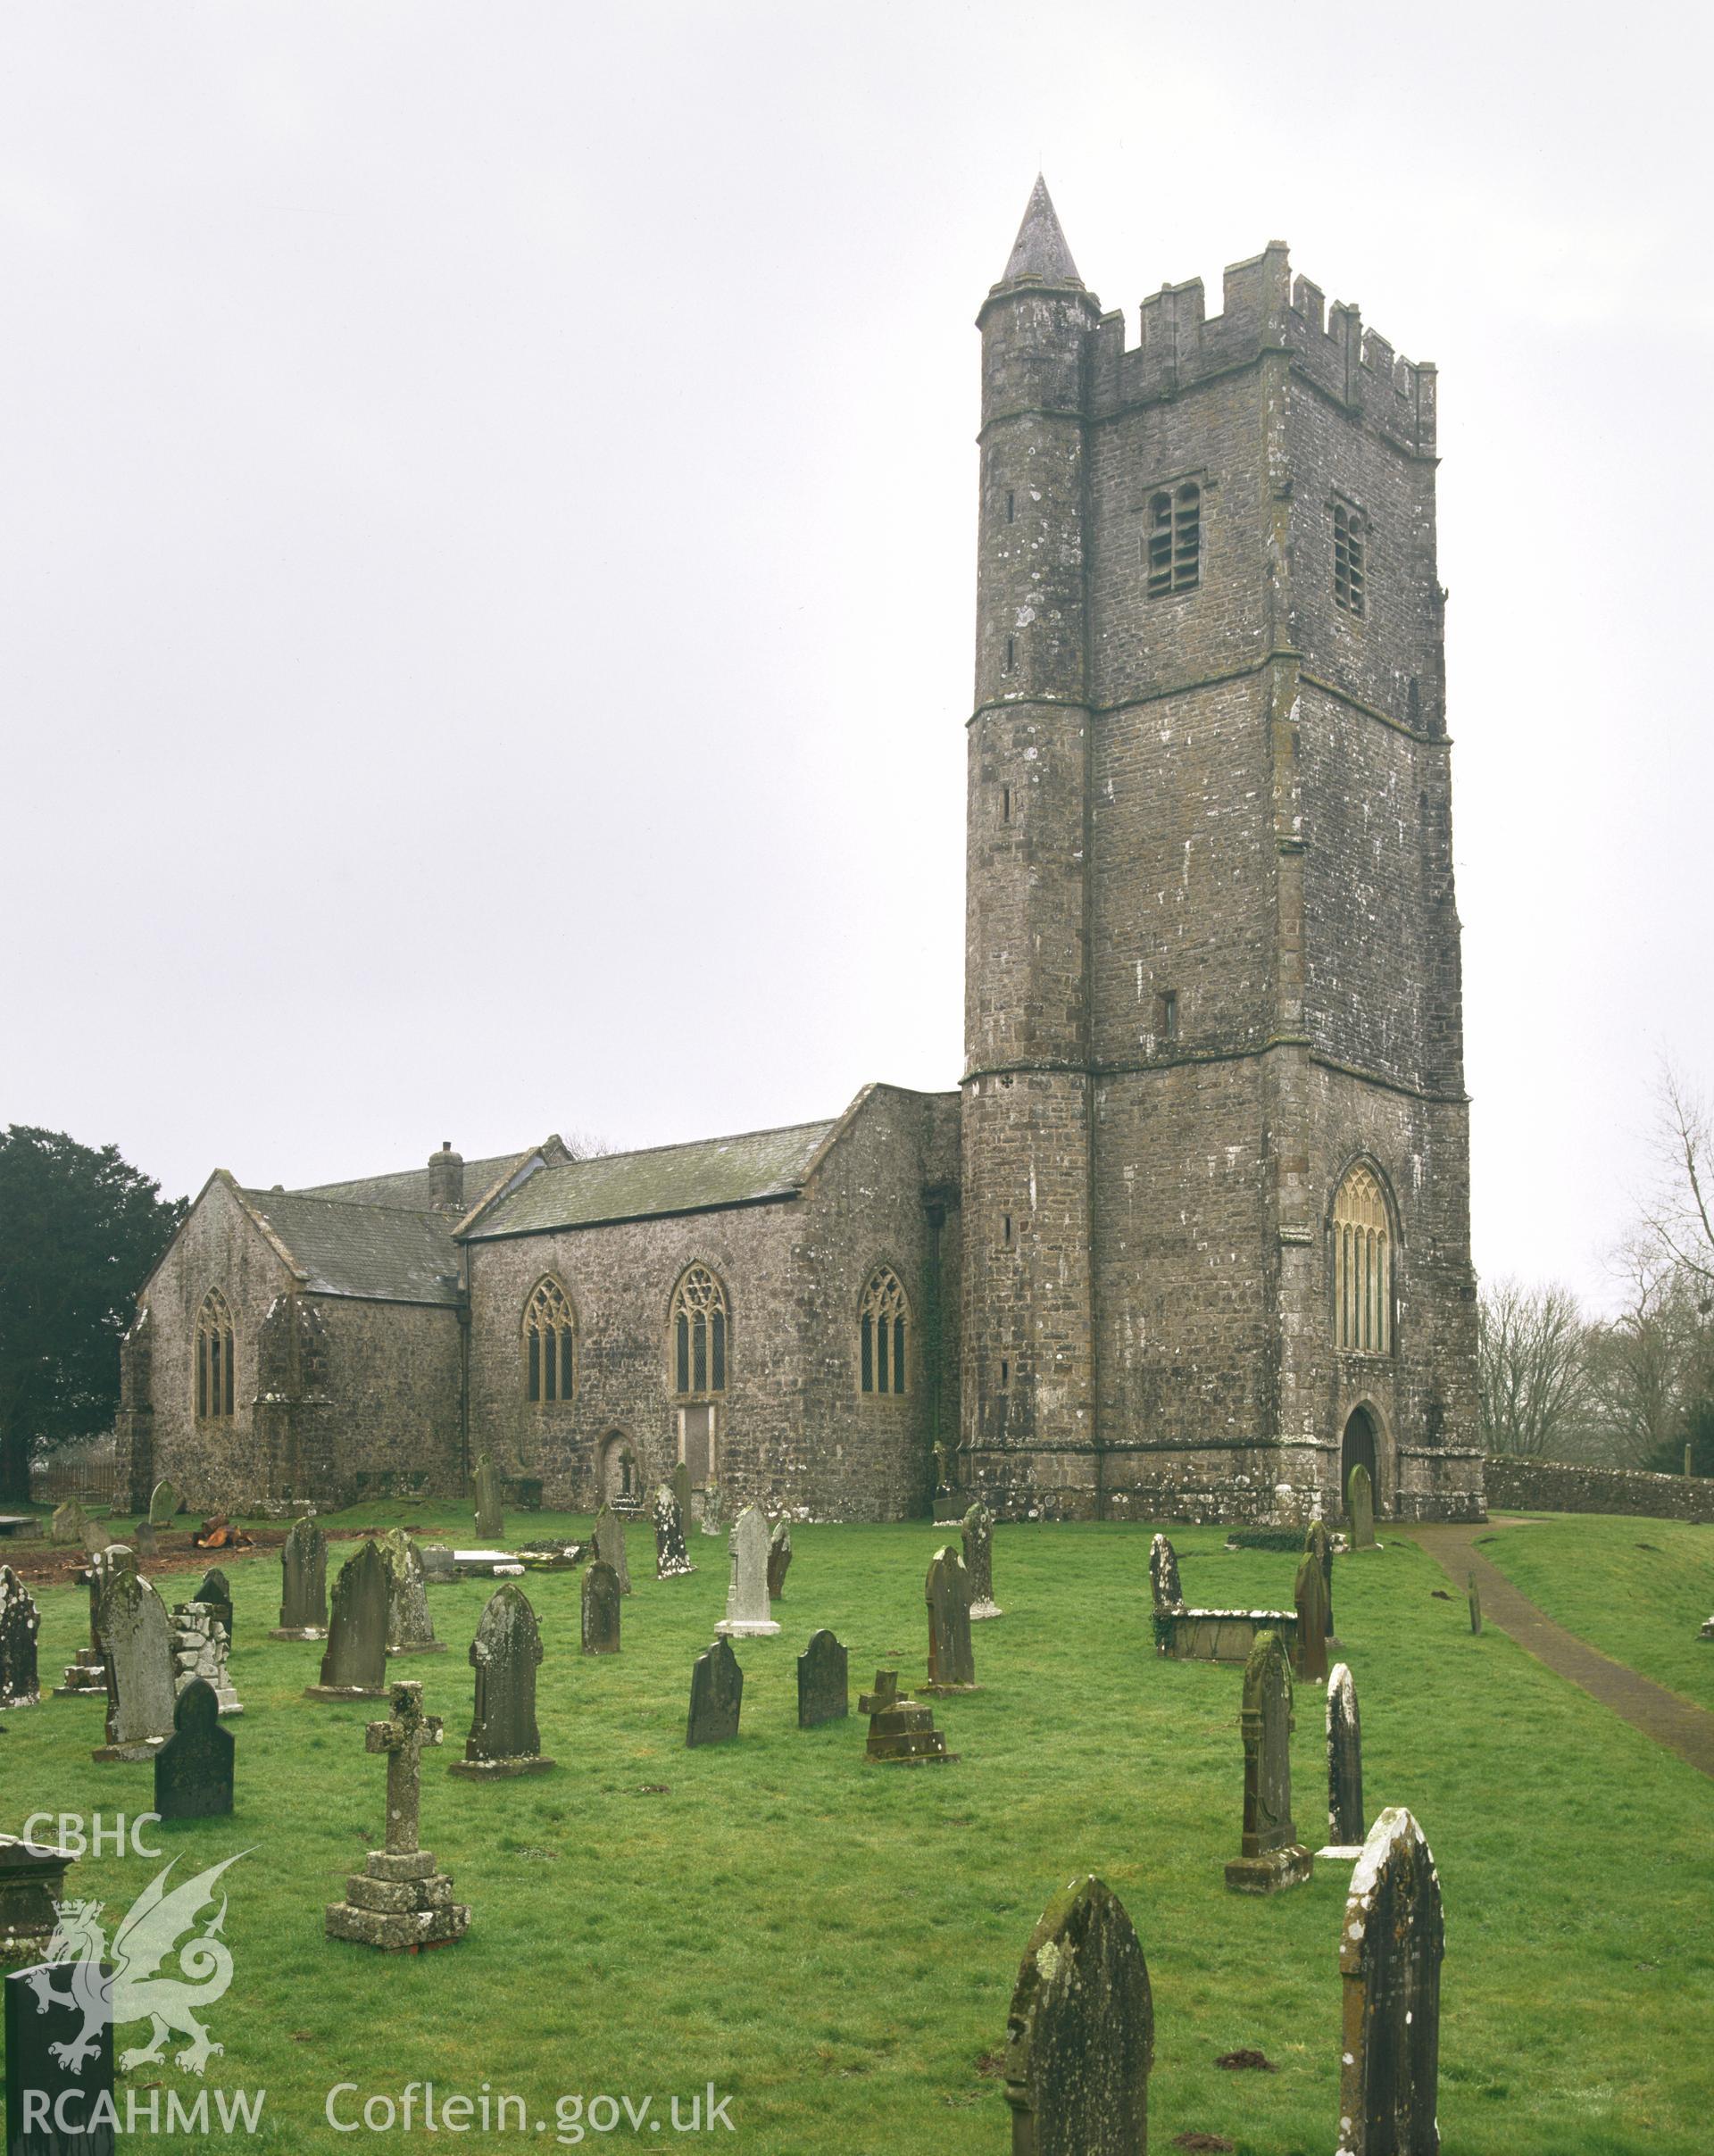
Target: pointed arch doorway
column 1359, row 1446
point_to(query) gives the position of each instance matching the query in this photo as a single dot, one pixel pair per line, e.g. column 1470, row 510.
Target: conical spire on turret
column 1039, row 253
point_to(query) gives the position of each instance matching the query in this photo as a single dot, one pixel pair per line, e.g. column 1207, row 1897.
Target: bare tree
column 1532, row 1369
column 1644, row 1363
column 1679, row 1219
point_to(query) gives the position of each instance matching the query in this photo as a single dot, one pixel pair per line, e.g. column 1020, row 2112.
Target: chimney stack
column 447, row 1179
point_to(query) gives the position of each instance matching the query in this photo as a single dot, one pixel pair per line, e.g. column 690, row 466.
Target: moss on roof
column 409, row 1187
column 380, row 1253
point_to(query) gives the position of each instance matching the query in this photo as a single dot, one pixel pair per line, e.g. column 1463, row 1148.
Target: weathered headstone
column 490, row 1510
column 303, row 1583
column 1359, row 1508
column 1319, row 1542
column 32, row 1884
column 1390, row 1947
column 59, row 2054
column 200, row 1643
column 952, row 1661
column 19, row 1622
column 354, row 1664
column 87, row 1675
column 681, row 1491
column 137, row 1652
column 97, row 1537
column 216, row 1594
column 601, row 1609
column 1475, row 1605
column 67, row 1524
column 779, row 1558
column 163, row 1505
column 410, row 1628
column 901, row 1731
column 716, row 1695
column 143, row 1539
column 1310, row 1639
column 1271, row 1856
column 609, row 1545
column 1164, row 1589
column 399, row 1900
column 505, row 1653
column 671, row 1558
column 746, row 1594
column 1080, row 2035
column 708, row 1508
column 823, row 1682
column 976, row 1533
column 1344, row 1768
column 193, row 1770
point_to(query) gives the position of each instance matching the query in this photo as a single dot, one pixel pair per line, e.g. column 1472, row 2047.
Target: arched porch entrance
column 1360, row 1445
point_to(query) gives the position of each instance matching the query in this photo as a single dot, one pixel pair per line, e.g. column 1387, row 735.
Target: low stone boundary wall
column 1561, row 1485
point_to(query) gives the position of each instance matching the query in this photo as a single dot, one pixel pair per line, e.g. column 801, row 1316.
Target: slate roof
column 410, row 1187
column 382, row 1254
column 748, row 1170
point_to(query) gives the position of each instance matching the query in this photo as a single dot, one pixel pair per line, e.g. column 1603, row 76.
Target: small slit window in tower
column 1005, row 805
column 1173, row 540
column 1011, row 506
column 1005, row 1229
column 1006, row 1373
column 1012, row 653
column 1167, row 1015
column 1350, row 561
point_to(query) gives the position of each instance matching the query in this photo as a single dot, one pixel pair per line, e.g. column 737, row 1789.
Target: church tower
column 1215, row 1135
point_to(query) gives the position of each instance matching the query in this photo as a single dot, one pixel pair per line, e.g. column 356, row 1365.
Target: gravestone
column 746, row 1596
column 199, row 1650
column 671, row 1558
column 410, row 1628
column 59, row 2054
column 163, row 1505
column 1319, row 1542
column 779, row 1558
column 952, row 1661
column 215, row 1595
column 354, row 1664
column 490, row 1511
column 609, row 1545
column 716, row 1695
column 1359, row 1508
column 823, row 1682
column 901, row 1731
column 87, row 1675
column 96, row 1537
column 20, row 1623
column 193, row 1770
column 1390, row 1947
column 601, row 1608
column 143, row 1539
column 976, row 1533
column 1163, row 1577
column 137, row 1652
column 400, row 1900
column 1310, row 1639
column 67, row 1524
column 681, row 1491
column 302, row 1584
column 709, row 1508
column 1345, row 1770
column 1080, row 2035
column 32, row 1884
column 1475, row 1605
column 1271, row 1856
column 505, row 1653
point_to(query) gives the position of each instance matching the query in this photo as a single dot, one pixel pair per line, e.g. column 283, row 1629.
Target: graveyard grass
column 834, row 1945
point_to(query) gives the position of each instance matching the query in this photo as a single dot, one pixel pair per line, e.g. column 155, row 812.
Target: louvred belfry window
column 1350, row 559
column 1174, row 539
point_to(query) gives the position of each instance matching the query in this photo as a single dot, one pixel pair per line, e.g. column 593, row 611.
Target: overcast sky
column 486, row 514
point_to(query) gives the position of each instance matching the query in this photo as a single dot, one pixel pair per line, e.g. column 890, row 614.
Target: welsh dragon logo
column 134, row 1991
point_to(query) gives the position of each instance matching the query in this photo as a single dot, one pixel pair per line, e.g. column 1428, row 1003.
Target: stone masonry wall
column 1554, row 1485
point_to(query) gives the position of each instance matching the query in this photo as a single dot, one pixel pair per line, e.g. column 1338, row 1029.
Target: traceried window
column 1351, row 559
column 1362, row 1266
column 700, row 1330
column 550, row 1343
column 1173, row 539
column 214, row 1357
column 884, row 1324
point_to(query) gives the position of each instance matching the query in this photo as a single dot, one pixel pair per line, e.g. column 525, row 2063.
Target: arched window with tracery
column 884, row 1328
column 1362, row 1265
column 700, row 1333
column 550, row 1343
column 215, row 1359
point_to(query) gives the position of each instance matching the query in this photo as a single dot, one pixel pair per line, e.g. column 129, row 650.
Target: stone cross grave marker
column 779, row 1558
column 163, row 1505
column 746, row 1595
column 410, row 1628
column 1359, row 1508
column 303, row 1583
column 977, row 1533
column 716, row 1695
column 671, row 1557
column 1390, row 1947
column 199, row 1650
column 399, row 1899
column 1345, row 1770
column 87, row 1675
column 602, row 1596
column 1319, row 1542
column 506, row 1654
column 1475, row 1605
column 216, row 1594
column 1310, row 1639
column 354, row 1664
column 609, row 1545
column 56, row 2049
column 952, row 1661
column 902, row 1730
column 137, row 1652
column 823, row 1682
column 20, row 1623
column 1080, row 2035
column 490, row 1511
column 193, row 1770
column 1272, row 1857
